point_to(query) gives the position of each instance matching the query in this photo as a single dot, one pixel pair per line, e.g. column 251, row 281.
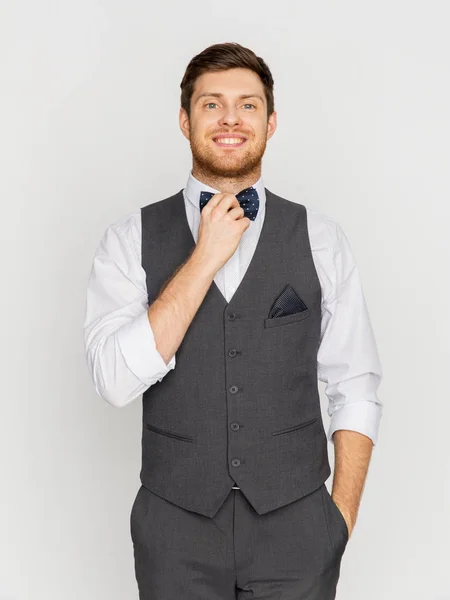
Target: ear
column 184, row 123
column 271, row 125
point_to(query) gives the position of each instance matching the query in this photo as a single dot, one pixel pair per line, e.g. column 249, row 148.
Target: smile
column 230, row 142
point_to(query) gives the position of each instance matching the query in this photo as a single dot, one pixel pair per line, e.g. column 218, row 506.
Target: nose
column 230, row 117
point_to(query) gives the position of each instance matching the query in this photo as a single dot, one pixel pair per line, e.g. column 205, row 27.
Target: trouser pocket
column 337, row 526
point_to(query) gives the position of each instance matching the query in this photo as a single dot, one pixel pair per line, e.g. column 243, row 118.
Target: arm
column 221, row 227
column 350, row 366
column 352, row 452
column 130, row 345
column 127, row 342
column 172, row 311
column 121, row 353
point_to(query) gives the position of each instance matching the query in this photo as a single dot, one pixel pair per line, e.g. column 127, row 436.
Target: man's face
column 217, row 109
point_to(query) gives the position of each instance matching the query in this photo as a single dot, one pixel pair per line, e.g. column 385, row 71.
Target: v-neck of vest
column 265, row 240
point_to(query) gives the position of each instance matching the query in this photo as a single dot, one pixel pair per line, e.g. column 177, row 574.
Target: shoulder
column 323, row 229
column 157, row 208
column 127, row 230
column 320, row 226
column 127, row 226
column 122, row 238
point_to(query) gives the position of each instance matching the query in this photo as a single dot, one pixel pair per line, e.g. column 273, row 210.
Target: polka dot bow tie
column 248, row 199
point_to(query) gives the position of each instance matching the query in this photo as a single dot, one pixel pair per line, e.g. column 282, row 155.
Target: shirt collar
column 194, row 187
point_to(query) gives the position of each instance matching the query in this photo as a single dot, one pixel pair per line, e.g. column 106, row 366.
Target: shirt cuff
column 138, row 347
column 362, row 416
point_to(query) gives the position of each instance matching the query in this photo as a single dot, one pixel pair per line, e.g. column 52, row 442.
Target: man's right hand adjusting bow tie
column 248, row 199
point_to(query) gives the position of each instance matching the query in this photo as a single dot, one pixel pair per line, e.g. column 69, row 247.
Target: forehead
column 232, row 83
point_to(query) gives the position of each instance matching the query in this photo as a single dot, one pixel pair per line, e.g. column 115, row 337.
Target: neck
column 230, row 185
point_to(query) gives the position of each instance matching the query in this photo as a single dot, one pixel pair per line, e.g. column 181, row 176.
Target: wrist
column 202, row 264
column 347, row 514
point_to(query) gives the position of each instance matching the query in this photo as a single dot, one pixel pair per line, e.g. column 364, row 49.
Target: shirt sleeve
column 348, row 360
column 121, row 352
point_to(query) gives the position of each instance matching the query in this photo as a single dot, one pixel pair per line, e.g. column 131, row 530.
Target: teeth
column 230, row 140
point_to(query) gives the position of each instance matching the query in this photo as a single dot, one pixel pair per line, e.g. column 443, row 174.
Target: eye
column 250, row 105
column 209, row 104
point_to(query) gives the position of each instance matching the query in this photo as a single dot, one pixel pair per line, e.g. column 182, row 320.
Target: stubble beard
column 212, row 165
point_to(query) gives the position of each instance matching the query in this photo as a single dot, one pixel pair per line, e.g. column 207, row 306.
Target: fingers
column 222, row 202
column 236, row 213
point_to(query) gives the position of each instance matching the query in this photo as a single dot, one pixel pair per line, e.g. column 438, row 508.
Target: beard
column 228, row 164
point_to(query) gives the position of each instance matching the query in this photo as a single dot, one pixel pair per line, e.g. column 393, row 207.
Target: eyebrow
column 241, row 97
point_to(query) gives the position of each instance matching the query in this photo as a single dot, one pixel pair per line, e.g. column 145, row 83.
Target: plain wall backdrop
column 89, row 105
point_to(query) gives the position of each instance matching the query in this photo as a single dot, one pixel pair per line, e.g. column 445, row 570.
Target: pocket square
column 287, row 303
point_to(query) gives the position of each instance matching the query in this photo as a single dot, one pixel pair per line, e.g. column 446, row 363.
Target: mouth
column 229, row 142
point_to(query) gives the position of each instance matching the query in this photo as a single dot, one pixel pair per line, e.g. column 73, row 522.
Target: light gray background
column 89, row 132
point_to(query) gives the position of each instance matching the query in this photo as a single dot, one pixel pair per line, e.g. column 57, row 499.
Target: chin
column 224, row 164
column 239, row 170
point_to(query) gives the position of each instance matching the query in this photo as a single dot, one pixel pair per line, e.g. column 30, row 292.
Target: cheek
column 256, row 128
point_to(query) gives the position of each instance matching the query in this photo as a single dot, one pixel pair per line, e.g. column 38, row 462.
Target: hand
column 347, row 517
column 222, row 223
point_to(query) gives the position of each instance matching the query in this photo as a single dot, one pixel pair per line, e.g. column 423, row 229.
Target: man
column 223, row 305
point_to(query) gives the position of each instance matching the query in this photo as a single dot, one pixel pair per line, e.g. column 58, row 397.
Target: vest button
column 233, row 389
column 231, row 316
column 234, row 426
column 235, row 462
column 232, row 352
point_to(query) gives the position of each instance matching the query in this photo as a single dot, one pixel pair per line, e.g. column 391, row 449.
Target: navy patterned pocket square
column 287, row 303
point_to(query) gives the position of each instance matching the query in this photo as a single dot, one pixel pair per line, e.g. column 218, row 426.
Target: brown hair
column 221, row 57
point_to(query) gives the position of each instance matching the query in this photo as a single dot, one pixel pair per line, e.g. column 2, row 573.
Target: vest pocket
column 172, row 434
column 293, row 318
column 294, row 427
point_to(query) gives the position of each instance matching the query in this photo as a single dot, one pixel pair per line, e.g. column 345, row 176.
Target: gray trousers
column 291, row 553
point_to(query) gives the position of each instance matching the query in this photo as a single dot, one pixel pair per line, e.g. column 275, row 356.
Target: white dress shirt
column 120, row 347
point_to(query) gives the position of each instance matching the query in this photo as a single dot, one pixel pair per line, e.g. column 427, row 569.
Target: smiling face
column 228, row 127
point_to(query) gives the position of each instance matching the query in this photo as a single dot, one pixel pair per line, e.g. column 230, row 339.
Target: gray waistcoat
column 241, row 404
